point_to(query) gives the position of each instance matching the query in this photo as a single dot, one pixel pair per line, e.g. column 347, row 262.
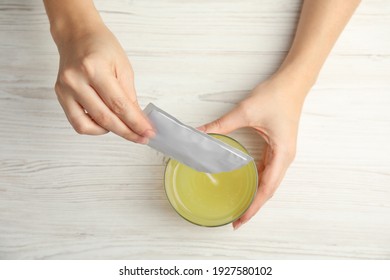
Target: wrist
column 72, row 19
column 66, row 29
column 293, row 83
column 298, row 73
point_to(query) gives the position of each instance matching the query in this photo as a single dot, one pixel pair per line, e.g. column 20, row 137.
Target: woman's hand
column 95, row 86
column 273, row 109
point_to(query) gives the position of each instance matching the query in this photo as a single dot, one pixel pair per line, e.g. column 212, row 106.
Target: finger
column 226, row 124
column 124, row 107
column 275, row 166
column 126, row 81
column 103, row 116
column 80, row 121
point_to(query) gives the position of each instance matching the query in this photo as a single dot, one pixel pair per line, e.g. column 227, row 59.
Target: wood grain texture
column 66, row 196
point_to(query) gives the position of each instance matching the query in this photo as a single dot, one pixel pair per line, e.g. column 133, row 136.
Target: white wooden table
column 66, row 196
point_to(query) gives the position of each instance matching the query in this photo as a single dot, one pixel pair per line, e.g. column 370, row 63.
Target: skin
column 273, row 108
column 95, row 84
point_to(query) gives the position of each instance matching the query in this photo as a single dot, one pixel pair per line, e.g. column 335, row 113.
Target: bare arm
column 273, row 108
column 70, row 18
column 320, row 24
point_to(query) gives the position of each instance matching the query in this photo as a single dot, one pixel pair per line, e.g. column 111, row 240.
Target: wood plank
column 66, row 196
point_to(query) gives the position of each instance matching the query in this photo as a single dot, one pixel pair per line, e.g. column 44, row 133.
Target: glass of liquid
column 211, row 199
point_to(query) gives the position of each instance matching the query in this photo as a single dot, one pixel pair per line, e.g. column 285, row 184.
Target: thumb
column 225, row 124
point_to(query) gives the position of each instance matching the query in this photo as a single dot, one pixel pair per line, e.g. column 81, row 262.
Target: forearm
column 320, row 24
column 71, row 18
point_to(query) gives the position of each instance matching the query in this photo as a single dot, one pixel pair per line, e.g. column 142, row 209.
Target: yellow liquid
column 211, row 199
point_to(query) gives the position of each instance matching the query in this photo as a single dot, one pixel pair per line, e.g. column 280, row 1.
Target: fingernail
column 236, row 226
column 149, row 133
column 144, row 141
